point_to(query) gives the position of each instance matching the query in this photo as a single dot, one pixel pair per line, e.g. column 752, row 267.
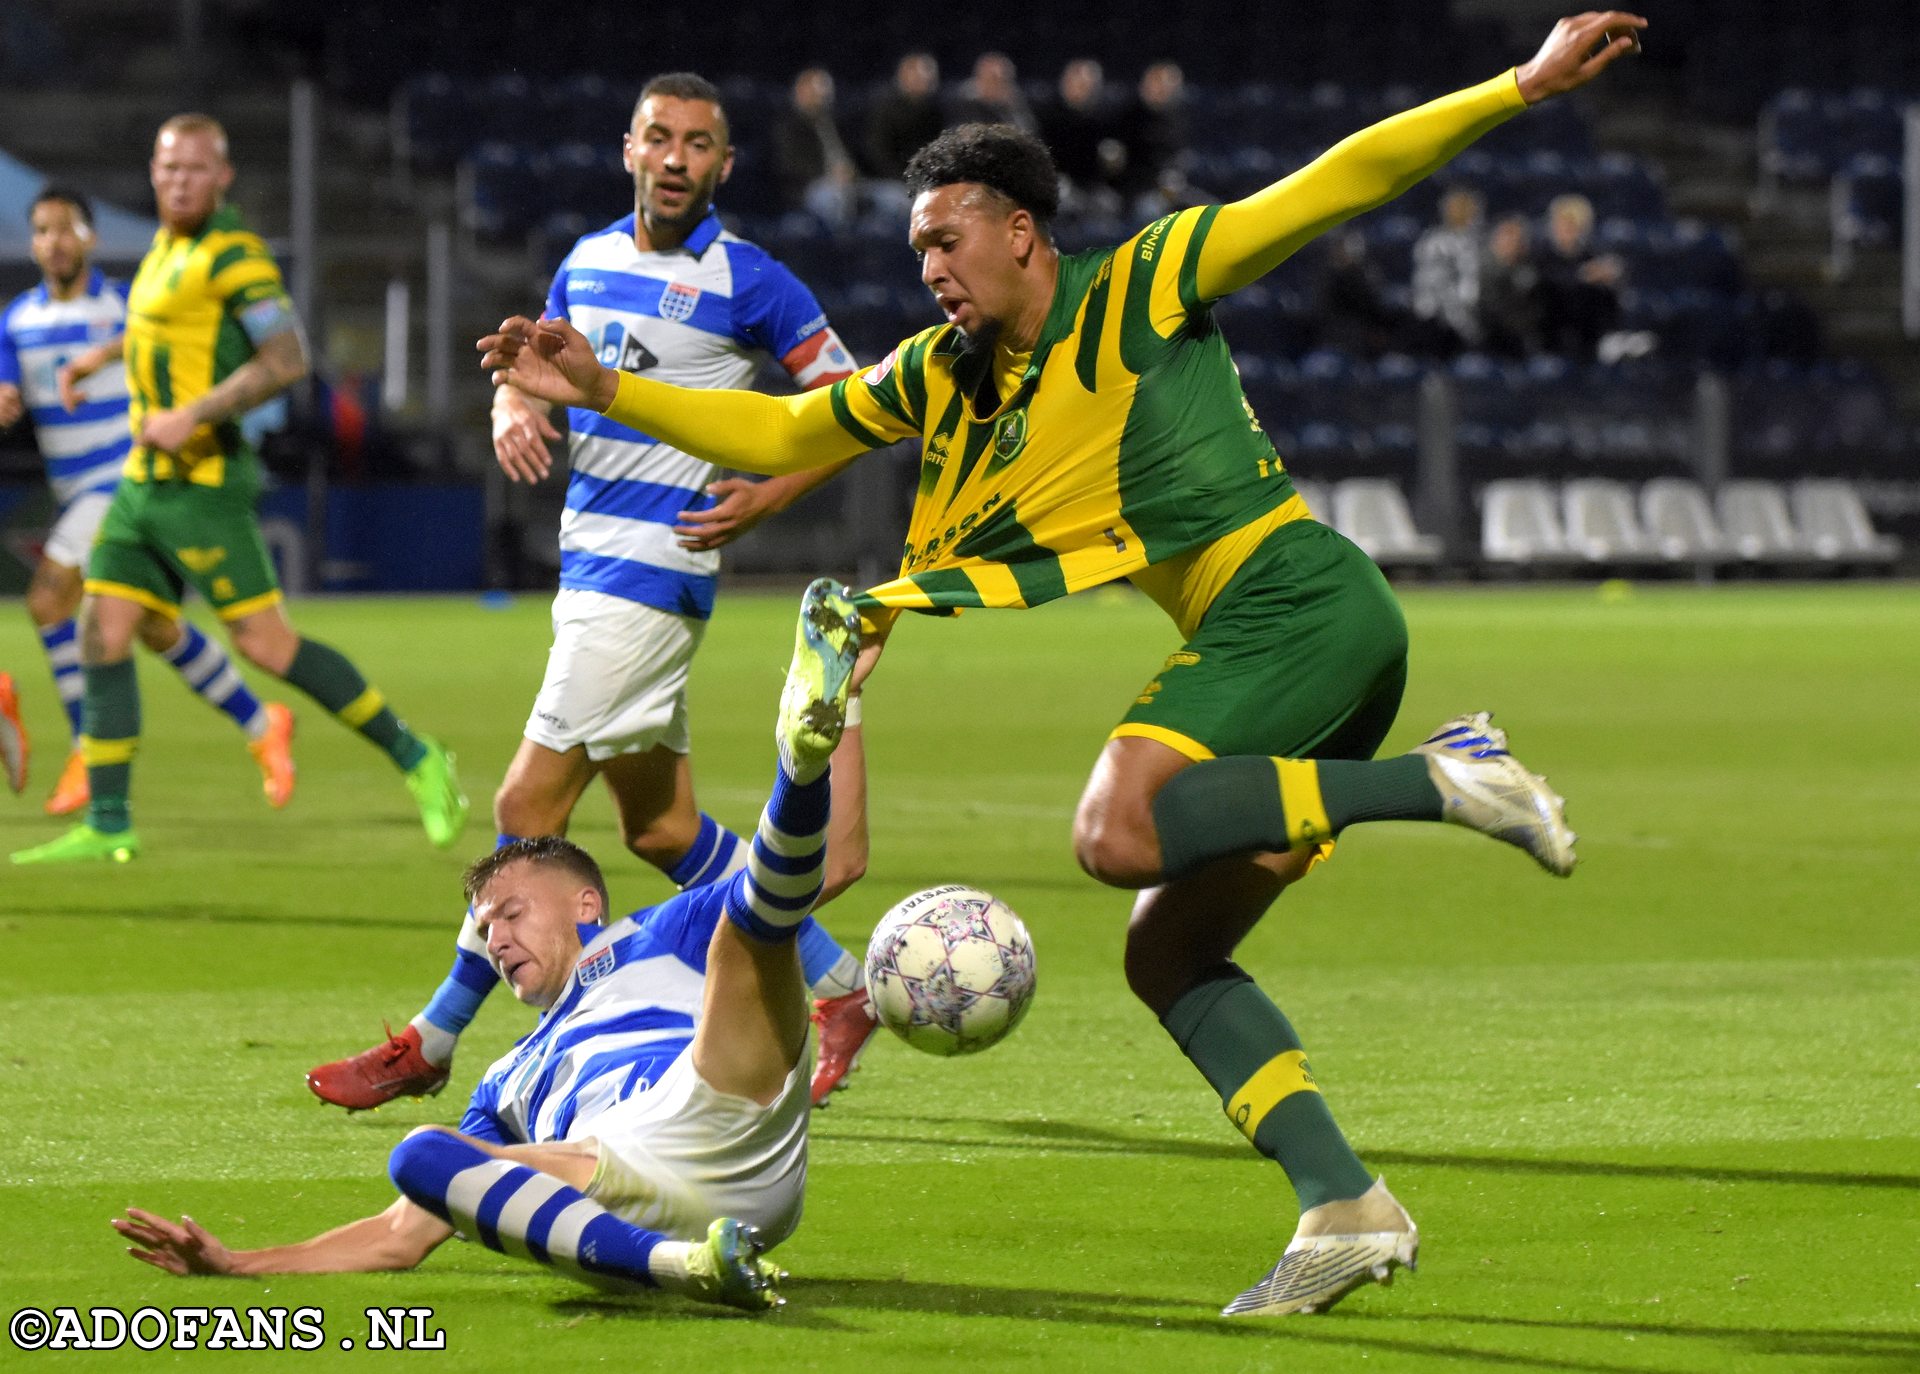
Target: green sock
column 329, row 678
column 110, row 735
column 1247, row 1049
column 1247, row 803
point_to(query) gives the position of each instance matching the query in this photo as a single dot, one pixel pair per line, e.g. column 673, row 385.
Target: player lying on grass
column 652, row 1130
column 1081, row 421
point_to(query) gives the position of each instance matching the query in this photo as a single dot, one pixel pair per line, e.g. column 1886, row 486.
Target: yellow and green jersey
column 1121, row 446
column 198, row 303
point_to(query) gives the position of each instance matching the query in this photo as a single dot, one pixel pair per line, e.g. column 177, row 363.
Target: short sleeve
column 773, row 310
column 245, row 279
column 557, row 296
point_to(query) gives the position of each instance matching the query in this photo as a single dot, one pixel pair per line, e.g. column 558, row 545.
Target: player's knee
column 104, row 640
column 521, row 808
column 1116, row 853
column 1157, row 972
column 50, row 599
column 267, row 646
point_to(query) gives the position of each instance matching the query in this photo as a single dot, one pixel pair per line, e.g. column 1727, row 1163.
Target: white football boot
column 1337, row 1247
column 1485, row 788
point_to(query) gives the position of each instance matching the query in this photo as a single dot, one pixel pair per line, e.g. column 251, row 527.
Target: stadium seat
column 1520, row 525
column 1678, row 520
column 1834, row 524
column 1601, row 524
column 1316, row 495
column 1374, row 515
column 1758, row 527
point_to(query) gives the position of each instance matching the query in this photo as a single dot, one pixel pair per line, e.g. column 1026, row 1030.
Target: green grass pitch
column 1661, row 1117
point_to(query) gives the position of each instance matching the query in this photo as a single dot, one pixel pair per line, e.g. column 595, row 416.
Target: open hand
column 520, row 435
column 1579, row 49
column 549, row 360
column 183, row 1247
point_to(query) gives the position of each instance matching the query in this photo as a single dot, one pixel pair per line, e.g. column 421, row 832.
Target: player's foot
column 71, row 793
column 1338, row 1247
column 82, row 844
column 1485, row 788
column 14, row 746
column 436, row 790
column 845, row 1025
column 273, row 751
column 813, row 706
column 728, row 1268
column 395, row 1068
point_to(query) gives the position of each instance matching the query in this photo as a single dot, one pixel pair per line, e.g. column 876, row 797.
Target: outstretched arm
column 397, row 1238
column 553, row 361
column 1251, row 237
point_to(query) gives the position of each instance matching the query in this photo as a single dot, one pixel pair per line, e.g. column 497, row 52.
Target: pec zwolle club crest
column 1009, row 437
column 677, row 302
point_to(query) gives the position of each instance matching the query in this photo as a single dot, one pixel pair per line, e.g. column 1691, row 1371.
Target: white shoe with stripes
column 1485, row 788
column 1338, row 1247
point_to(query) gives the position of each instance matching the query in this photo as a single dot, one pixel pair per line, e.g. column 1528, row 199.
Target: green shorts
column 1302, row 655
column 161, row 537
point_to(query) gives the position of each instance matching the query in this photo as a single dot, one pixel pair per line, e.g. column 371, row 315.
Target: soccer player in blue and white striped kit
column 665, row 290
column 652, row 1130
column 82, row 432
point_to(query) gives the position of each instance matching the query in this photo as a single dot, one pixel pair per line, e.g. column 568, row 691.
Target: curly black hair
column 1005, row 160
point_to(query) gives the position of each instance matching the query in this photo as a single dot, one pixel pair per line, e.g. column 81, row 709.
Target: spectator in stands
column 1079, row 127
column 992, row 95
column 1446, row 272
column 1351, row 300
column 906, row 118
column 1579, row 289
column 1154, row 134
column 816, row 171
column 1509, row 306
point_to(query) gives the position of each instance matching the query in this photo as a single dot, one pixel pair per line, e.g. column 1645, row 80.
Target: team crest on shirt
column 677, row 302
column 1009, row 437
column 595, row 966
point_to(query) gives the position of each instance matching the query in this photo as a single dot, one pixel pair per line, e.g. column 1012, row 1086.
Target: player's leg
column 206, row 668
column 266, row 638
column 1319, row 673
column 1315, row 615
column 753, row 1029
column 53, row 601
column 529, row 1200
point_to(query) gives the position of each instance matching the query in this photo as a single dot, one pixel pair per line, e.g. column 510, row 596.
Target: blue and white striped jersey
column 626, row 1013
column 84, row 449
column 701, row 315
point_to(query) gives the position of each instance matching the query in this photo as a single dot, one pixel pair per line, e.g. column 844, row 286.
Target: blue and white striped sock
column 457, row 1000
column 62, row 643
column 520, row 1211
column 787, row 862
column 717, row 854
column 208, row 670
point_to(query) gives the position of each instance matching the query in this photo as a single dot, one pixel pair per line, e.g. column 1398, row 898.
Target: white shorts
column 72, row 537
column 678, row 1156
column 616, row 677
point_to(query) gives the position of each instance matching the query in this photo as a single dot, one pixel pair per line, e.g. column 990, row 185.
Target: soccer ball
column 950, row 970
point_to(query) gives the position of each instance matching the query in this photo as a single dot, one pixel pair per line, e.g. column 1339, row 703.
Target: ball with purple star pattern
column 950, row 970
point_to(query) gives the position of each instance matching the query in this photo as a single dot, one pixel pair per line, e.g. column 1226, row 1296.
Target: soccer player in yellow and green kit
column 1081, row 421
column 210, row 335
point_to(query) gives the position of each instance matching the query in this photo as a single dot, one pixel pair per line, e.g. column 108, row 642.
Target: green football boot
column 82, row 844
column 813, row 705
column 436, row 790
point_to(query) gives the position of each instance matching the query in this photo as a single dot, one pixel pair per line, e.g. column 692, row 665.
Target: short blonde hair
column 196, row 124
column 1573, row 206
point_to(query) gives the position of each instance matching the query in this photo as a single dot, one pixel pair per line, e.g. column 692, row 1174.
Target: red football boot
column 393, row 1069
column 846, row 1025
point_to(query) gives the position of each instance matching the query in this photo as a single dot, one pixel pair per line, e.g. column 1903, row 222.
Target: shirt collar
column 704, row 233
